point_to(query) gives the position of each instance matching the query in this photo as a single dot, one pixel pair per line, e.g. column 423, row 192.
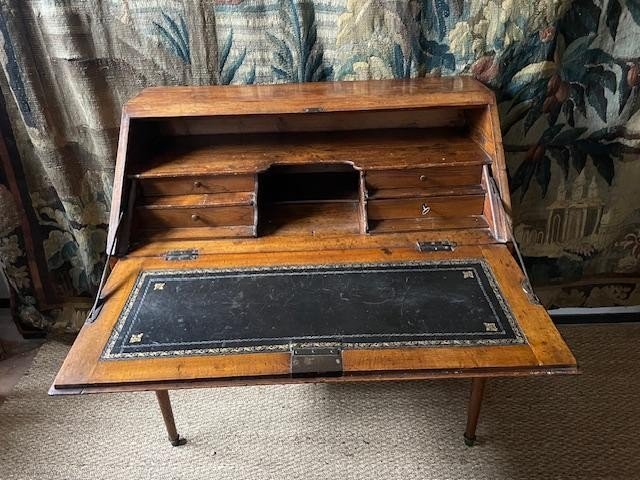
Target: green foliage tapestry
column 566, row 74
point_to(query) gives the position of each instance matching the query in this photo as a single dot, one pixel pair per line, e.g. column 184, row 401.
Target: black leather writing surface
column 200, row 312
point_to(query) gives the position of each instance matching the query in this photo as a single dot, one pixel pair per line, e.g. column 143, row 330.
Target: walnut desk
column 327, row 232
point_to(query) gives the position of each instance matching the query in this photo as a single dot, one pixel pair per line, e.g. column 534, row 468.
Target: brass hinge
column 316, row 361
column 442, row 246
column 181, row 255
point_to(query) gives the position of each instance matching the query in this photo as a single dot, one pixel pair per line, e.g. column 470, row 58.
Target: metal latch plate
column 316, row 361
column 181, row 255
column 443, row 246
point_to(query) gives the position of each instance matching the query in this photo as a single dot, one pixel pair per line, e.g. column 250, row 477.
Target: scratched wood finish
column 381, row 95
column 266, row 244
column 430, row 207
column 158, row 237
column 435, row 177
column 371, row 149
column 196, row 184
column 196, row 156
column 312, row 122
column 351, row 378
column 425, row 192
column 186, row 217
column 416, row 104
column 311, row 218
column 545, row 348
column 468, row 224
column 485, row 130
column 198, row 200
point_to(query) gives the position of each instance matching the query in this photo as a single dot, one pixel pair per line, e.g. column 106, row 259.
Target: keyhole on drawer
column 195, row 217
column 425, row 209
column 423, row 178
column 197, row 184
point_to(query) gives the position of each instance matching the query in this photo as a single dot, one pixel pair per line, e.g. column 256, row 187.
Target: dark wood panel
column 195, row 184
column 484, row 127
column 428, row 207
column 310, row 218
column 154, row 218
column 435, row 177
column 370, row 149
column 438, row 224
column 424, row 192
column 312, row 122
column 157, row 237
column 197, row 200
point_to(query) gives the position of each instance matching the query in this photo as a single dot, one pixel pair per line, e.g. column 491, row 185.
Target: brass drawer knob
column 195, row 217
column 197, row 184
column 423, row 178
column 425, row 209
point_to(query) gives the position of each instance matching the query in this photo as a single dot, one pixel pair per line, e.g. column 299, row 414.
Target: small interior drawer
column 197, row 184
column 424, row 192
column 154, row 218
column 426, row 207
column 432, row 177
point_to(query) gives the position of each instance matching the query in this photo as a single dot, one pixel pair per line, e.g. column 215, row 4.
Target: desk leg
column 477, row 390
column 167, row 415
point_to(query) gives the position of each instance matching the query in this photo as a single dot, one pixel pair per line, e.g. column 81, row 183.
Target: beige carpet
column 584, row 427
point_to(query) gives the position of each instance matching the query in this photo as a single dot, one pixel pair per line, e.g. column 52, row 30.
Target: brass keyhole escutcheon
column 425, row 209
column 195, row 217
column 197, row 184
column 423, row 178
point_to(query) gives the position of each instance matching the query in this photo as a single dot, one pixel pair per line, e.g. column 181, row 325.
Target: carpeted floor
column 582, row 427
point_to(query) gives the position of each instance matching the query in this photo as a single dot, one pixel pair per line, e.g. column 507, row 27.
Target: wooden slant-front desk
column 327, row 232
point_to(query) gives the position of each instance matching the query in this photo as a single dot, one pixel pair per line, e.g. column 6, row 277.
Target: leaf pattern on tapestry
column 432, row 56
column 564, row 85
column 175, row 36
column 227, row 68
column 299, row 57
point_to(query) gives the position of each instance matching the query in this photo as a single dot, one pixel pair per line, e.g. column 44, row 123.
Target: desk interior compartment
column 310, row 198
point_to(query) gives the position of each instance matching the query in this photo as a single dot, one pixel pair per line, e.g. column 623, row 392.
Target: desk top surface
column 211, row 311
column 157, row 102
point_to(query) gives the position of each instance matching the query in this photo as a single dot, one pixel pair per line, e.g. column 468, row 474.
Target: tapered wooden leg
column 167, row 415
column 477, row 390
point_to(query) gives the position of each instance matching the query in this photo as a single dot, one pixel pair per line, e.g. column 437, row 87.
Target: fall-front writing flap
column 242, row 315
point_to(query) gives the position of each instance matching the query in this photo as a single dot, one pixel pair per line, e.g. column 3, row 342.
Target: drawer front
column 154, row 218
column 195, row 185
column 433, row 177
column 428, row 207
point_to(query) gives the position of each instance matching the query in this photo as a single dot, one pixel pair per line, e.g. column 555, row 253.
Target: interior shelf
column 370, row 149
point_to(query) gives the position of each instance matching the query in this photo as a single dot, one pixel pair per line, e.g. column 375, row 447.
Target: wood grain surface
column 544, row 349
column 157, row 102
column 426, row 160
